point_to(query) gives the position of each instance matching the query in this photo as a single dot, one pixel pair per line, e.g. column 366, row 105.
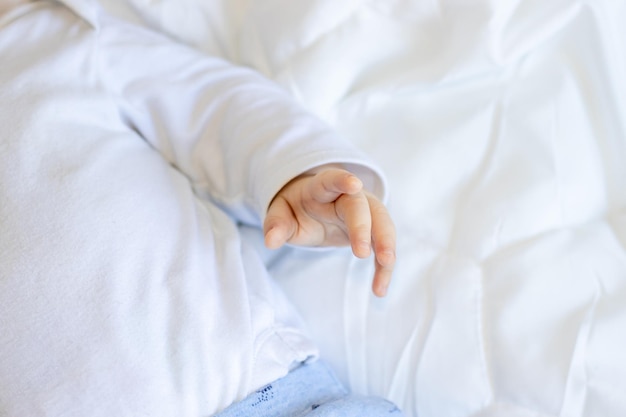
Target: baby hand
column 330, row 208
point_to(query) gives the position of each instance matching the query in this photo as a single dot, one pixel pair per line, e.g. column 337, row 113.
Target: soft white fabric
column 125, row 288
column 502, row 127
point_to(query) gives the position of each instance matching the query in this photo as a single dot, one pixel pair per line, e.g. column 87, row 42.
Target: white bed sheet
column 502, row 128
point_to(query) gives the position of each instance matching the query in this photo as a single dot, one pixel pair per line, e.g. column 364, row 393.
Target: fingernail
column 364, row 247
column 270, row 239
column 355, row 181
column 382, row 290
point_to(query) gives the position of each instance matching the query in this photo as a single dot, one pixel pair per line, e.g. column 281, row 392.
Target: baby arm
column 329, row 207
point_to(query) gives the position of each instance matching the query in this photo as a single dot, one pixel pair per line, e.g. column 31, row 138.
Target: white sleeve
column 236, row 135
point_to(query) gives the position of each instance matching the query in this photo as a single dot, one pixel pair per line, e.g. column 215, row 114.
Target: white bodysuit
column 125, row 160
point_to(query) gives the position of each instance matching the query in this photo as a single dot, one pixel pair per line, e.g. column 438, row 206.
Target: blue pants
column 310, row 390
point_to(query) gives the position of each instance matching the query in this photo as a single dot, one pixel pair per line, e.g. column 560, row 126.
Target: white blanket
column 501, row 126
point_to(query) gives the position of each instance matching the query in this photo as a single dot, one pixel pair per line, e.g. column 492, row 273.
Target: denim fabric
column 310, row 390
